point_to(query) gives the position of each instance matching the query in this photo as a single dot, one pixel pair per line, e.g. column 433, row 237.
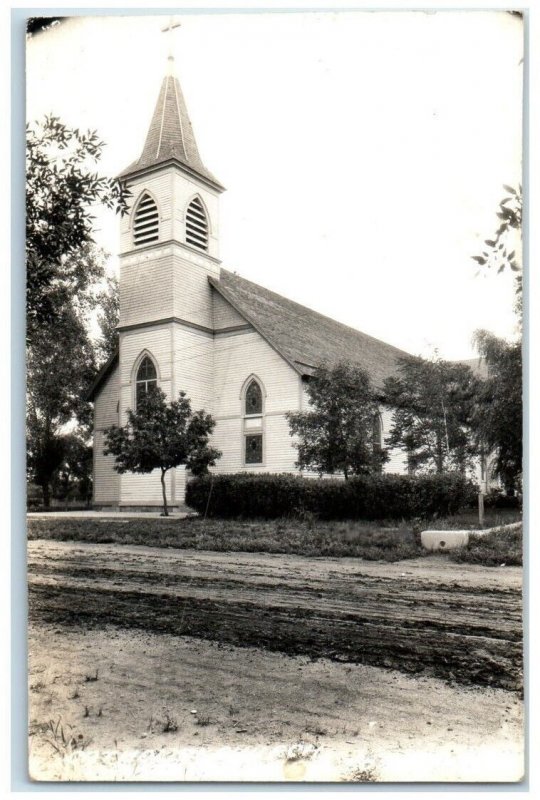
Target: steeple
column 170, row 137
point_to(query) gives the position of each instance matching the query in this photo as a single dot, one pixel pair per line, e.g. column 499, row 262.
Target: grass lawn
column 368, row 540
column 358, row 539
column 493, row 549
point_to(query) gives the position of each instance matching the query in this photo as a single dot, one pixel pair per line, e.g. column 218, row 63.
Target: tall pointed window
column 253, row 423
column 146, row 378
column 196, row 225
column 146, row 221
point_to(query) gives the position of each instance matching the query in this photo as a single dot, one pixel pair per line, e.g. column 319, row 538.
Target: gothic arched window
column 253, row 423
column 197, row 225
column 146, row 379
column 253, row 399
column 146, row 221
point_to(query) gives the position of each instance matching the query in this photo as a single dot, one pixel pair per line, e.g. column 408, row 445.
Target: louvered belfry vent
column 197, row 225
column 146, row 222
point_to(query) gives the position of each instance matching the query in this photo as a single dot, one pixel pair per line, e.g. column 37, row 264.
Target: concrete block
column 444, row 540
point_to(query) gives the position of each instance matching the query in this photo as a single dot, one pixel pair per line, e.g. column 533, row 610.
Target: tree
column 499, row 414
column 64, row 271
column 337, row 433
column 433, row 403
column 109, row 312
column 73, row 478
column 60, row 367
column 161, row 435
column 61, row 187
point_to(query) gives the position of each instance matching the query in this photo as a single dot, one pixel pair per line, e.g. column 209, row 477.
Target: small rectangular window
column 254, row 449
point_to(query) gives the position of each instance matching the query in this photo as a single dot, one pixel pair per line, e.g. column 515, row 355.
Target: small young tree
column 161, row 435
column 434, row 403
column 337, row 433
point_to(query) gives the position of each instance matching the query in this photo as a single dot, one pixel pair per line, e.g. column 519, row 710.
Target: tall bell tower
column 168, row 249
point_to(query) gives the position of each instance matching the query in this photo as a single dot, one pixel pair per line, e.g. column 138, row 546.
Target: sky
column 364, row 153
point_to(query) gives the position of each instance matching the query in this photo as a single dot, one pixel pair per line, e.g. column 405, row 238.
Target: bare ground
column 317, row 708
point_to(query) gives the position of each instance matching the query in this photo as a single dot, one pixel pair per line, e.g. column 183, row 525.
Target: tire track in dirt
column 456, row 629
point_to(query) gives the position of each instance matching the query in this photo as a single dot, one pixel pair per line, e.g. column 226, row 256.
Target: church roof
column 170, row 137
column 304, row 337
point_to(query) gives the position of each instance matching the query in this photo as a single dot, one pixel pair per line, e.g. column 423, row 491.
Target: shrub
column 499, row 501
column 362, row 497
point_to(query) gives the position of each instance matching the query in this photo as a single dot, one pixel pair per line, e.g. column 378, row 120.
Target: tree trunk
column 165, row 509
column 46, row 495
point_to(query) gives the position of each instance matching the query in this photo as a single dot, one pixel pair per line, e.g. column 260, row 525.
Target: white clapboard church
column 239, row 351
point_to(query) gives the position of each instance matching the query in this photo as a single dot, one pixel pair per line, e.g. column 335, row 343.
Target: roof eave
column 134, row 171
column 101, row 376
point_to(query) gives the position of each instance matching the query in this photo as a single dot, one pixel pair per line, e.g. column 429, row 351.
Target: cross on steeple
column 169, row 29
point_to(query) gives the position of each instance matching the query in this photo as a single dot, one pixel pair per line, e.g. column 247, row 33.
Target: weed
column 86, row 712
column 203, row 720
column 37, row 687
column 62, row 739
column 316, row 730
column 91, row 678
column 100, row 712
column 358, row 775
column 504, row 546
column 170, row 725
column 75, row 694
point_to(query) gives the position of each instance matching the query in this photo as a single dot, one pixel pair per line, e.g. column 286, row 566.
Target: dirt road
column 427, row 616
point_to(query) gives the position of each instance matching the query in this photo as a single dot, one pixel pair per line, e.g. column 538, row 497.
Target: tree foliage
column 64, row 272
column 433, row 403
column 73, row 477
column 336, row 434
column 108, row 301
column 161, row 435
column 500, row 409
column 61, row 188
column 503, row 250
column 60, row 367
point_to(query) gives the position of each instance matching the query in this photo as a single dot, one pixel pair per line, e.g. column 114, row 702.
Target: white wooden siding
column 235, row 359
column 193, row 360
column 146, row 287
column 238, row 357
column 192, row 294
column 141, row 490
column 106, row 479
column 224, row 316
column 106, row 402
column 397, row 462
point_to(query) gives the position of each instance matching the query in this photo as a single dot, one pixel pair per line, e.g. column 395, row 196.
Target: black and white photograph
column 274, row 438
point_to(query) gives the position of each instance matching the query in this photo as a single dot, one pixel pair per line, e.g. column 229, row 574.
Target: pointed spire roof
column 170, row 136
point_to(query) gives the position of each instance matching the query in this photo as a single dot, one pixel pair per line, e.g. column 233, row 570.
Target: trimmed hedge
column 363, row 497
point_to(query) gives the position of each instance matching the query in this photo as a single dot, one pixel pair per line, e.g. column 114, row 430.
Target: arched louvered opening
column 197, row 225
column 146, row 221
column 146, row 379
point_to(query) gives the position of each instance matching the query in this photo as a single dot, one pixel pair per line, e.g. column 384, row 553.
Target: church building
column 239, row 351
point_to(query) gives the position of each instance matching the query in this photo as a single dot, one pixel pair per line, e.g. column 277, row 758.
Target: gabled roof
column 304, row 337
column 170, row 137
